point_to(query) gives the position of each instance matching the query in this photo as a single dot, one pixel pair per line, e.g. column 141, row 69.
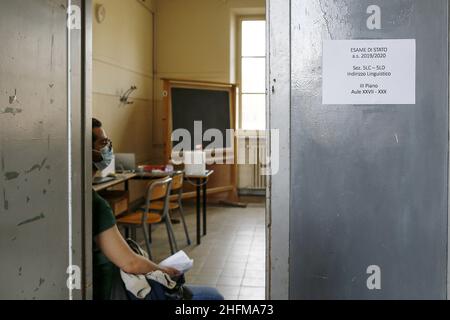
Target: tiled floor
column 232, row 255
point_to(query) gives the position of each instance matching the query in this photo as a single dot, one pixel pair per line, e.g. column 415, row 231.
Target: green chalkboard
column 211, row 107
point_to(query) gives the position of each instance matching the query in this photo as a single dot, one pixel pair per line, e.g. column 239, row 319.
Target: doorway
column 195, row 40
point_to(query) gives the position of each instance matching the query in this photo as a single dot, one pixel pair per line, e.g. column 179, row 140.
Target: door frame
column 278, row 118
column 83, row 131
column 87, row 128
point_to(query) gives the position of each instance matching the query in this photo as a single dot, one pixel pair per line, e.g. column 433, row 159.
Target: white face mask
column 107, row 156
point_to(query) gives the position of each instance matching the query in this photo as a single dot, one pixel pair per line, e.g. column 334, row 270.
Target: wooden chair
column 177, row 205
column 157, row 191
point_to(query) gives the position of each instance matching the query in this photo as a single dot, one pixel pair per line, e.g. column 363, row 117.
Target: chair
column 157, row 191
column 177, row 191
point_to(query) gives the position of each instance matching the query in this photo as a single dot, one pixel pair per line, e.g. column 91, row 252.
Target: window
column 252, row 74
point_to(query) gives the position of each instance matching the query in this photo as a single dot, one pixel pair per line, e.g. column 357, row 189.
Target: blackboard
column 211, row 107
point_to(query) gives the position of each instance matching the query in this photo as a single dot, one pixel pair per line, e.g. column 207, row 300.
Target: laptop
column 125, row 162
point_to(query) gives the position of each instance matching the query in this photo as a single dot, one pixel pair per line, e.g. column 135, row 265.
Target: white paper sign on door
column 369, row 72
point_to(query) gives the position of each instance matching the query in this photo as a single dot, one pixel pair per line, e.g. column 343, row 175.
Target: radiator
column 251, row 155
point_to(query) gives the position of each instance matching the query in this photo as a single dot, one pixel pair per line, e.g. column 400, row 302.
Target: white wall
column 122, row 57
column 195, row 41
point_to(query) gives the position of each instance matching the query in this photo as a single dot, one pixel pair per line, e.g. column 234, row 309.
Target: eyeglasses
column 109, row 144
column 106, row 143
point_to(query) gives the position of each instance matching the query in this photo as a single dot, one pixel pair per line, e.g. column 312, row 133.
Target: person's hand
column 172, row 272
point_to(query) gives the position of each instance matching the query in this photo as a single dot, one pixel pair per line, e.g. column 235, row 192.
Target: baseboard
column 252, row 192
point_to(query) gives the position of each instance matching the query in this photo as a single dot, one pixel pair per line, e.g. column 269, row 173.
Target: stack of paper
column 179, row 261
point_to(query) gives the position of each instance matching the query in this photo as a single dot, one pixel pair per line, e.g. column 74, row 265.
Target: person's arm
column 116, row 249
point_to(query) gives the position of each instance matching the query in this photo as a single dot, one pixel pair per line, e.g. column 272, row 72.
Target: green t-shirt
column 102, row 219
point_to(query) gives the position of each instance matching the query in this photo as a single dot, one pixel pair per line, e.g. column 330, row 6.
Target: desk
column 121, row 178
column 201, row 183
column 154, row 175
column 116, row 203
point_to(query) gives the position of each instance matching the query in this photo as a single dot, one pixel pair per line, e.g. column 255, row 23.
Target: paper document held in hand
column 179, row 261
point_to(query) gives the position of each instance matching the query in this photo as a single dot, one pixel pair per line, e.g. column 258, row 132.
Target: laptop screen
column 125, row 162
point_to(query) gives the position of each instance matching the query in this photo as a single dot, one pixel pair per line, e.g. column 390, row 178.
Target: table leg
column 204, row 207
column 198, row 214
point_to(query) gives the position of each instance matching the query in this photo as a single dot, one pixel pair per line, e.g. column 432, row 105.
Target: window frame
column 239, row 57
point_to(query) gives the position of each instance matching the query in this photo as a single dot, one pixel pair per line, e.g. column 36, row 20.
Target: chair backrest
column 159, row 189
column 177, row 181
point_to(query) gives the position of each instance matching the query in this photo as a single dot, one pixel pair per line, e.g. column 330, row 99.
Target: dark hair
column 95, row 124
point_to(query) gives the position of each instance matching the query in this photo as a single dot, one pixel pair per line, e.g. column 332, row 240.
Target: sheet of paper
column 179, row 261
column 369, row 71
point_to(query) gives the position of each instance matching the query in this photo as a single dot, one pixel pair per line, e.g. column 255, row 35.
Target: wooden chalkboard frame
column 224, row 180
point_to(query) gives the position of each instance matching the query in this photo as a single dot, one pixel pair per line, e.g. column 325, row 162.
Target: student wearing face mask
column 111, row 251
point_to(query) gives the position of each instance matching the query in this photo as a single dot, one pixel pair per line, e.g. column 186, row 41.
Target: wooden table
column 154, row 175
column 201, row 182
column 121, row 178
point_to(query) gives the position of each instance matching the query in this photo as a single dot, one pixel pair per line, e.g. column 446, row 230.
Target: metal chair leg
column 147, row 242
column 169, row 222
column 184, row 224
column 169, row 236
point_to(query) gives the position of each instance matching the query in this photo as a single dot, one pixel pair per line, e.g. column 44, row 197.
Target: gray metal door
column 369, row 182
column 35, row 222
